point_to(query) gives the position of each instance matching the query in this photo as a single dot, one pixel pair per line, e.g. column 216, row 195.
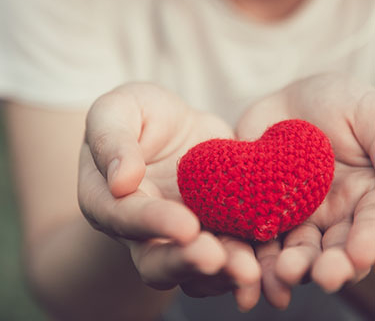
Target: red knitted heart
column 257, row 190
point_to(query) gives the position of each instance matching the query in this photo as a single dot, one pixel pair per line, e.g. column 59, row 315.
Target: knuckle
column 94, row 224
column 103, row 102
column 97, row 146
column 89, row 216
column 83, row 202
column 88, row 204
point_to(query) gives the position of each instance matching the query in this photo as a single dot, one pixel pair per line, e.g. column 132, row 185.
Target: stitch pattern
column 257, row 190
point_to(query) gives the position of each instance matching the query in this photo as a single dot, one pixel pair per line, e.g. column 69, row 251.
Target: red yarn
column 257, row 190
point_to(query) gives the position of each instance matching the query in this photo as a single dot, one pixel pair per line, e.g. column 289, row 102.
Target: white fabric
column 65, row 53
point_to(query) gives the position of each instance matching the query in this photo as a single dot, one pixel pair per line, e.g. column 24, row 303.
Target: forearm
column 80, row 274
column 76, row 272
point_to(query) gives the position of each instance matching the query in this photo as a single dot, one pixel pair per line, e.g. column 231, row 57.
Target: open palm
column 128, row 189
column 337, row 243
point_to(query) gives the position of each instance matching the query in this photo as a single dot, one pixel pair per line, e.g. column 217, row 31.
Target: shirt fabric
column 64, row 54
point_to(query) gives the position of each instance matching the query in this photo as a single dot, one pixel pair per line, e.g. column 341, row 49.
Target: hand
column 337, row 243
column 128, row 189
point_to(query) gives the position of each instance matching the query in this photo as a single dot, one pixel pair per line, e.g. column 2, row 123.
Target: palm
column 337, row 241
column 338, row 116
column 353, row 179
column 161, row 168
column 350, row 184
column 134, row 138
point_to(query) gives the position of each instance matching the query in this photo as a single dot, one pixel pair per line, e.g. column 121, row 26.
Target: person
column 266, row 61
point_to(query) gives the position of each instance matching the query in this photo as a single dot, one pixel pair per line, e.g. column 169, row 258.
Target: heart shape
column 257, row 190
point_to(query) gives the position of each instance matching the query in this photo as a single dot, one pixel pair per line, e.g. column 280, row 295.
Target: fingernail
column 112, row 170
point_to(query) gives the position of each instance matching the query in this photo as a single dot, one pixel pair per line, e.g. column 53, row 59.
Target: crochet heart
column 257, row 190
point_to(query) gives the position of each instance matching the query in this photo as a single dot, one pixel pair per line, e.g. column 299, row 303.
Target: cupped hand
column 128, row 189
column 337, row 243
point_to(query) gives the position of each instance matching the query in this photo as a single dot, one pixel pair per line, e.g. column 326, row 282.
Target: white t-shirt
column 64, row 54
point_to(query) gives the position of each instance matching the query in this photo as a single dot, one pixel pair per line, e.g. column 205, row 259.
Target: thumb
column 261, row 115
column 113, row 127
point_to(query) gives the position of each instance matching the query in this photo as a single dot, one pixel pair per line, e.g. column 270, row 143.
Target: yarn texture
column 257, row 190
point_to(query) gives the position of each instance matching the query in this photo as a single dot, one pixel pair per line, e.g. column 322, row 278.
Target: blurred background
column 15, row 301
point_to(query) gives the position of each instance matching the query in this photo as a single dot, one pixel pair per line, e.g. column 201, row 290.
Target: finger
column 262, row 115
column 242, row 264
column 114, row 125
column 361, row 239
column 275, row 291
column 301, row 248
column 136, row 216
column 244, row 270
column 359, row 276
column 247, row 296
column 333, row 267
column 164, row 264
column 241, row 270
column 241, row 275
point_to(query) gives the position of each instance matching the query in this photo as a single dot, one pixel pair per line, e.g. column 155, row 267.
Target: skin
column 267, row 11
column 341, row 231
column 145, row 130
column 337, row 243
